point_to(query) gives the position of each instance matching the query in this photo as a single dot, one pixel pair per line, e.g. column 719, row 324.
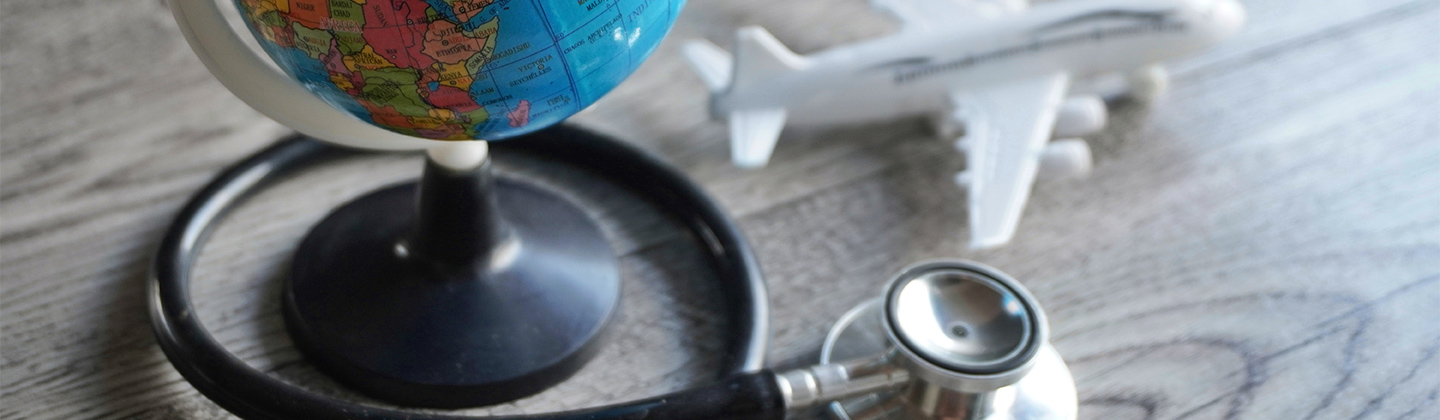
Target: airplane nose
column 1229, row 15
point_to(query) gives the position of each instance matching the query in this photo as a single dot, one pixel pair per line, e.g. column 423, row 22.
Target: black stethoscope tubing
column 748, row 391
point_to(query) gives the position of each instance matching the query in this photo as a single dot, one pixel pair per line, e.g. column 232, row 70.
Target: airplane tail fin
column 711, row 63
column 759, row 56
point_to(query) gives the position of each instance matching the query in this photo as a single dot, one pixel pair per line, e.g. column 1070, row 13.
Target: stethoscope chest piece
column 973, row 342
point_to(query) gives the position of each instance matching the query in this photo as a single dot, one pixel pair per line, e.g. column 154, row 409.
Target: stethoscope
column 947, row 339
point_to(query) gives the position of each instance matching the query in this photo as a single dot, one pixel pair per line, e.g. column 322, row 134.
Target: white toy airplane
column 996, row 68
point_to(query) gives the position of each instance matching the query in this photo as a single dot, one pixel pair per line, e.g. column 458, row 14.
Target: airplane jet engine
column 1080, row 116
column 1147, row 83
column 1065, row 159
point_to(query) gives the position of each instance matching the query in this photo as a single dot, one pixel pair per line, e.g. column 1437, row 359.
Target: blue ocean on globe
column 460, row 69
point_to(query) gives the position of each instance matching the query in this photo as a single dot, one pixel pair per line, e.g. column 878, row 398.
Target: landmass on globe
column 459, row 69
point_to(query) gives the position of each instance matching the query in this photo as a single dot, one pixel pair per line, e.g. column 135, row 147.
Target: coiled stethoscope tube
column 948, row 339
column 252, row 394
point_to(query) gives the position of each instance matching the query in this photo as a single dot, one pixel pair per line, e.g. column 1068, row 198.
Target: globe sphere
column 459, row 69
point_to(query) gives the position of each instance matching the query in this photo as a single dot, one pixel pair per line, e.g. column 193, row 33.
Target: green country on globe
column 460, row 69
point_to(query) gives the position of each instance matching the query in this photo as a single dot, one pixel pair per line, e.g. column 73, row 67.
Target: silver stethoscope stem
column 831, row 382
column 949, row 340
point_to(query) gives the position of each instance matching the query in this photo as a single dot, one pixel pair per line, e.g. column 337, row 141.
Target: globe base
column 462, row 290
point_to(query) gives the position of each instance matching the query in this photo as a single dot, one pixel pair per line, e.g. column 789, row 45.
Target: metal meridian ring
column 252, row 394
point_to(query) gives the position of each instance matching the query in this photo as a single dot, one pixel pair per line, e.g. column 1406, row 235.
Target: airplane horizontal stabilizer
column 753, row 134
column 759, row 56
column 711, row 63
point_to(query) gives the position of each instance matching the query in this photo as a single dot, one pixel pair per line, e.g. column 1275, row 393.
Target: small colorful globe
column 460, row 69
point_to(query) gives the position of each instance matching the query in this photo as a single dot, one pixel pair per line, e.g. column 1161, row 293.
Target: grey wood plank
column 1262, row 243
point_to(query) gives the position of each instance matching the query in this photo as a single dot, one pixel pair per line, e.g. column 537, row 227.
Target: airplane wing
column 1006, row 129
column 934, row 14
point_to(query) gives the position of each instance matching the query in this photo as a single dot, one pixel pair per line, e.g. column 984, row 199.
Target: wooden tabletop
column 1263, row 242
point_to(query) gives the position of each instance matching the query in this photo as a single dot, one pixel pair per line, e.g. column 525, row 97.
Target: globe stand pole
column 461, row 290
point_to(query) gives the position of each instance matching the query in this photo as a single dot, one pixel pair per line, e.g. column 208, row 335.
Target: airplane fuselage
column 912, row 72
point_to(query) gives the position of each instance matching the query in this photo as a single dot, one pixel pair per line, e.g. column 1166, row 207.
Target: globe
column 459, row 69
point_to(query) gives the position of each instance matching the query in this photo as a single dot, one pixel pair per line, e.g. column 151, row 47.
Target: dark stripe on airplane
column 1153, row 15
column 910, row 61
column 1104, row 14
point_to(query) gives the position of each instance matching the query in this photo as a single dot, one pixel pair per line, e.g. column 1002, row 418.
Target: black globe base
column 462, row 290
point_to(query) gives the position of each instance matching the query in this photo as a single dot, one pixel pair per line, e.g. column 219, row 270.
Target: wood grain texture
column 1264, row 242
